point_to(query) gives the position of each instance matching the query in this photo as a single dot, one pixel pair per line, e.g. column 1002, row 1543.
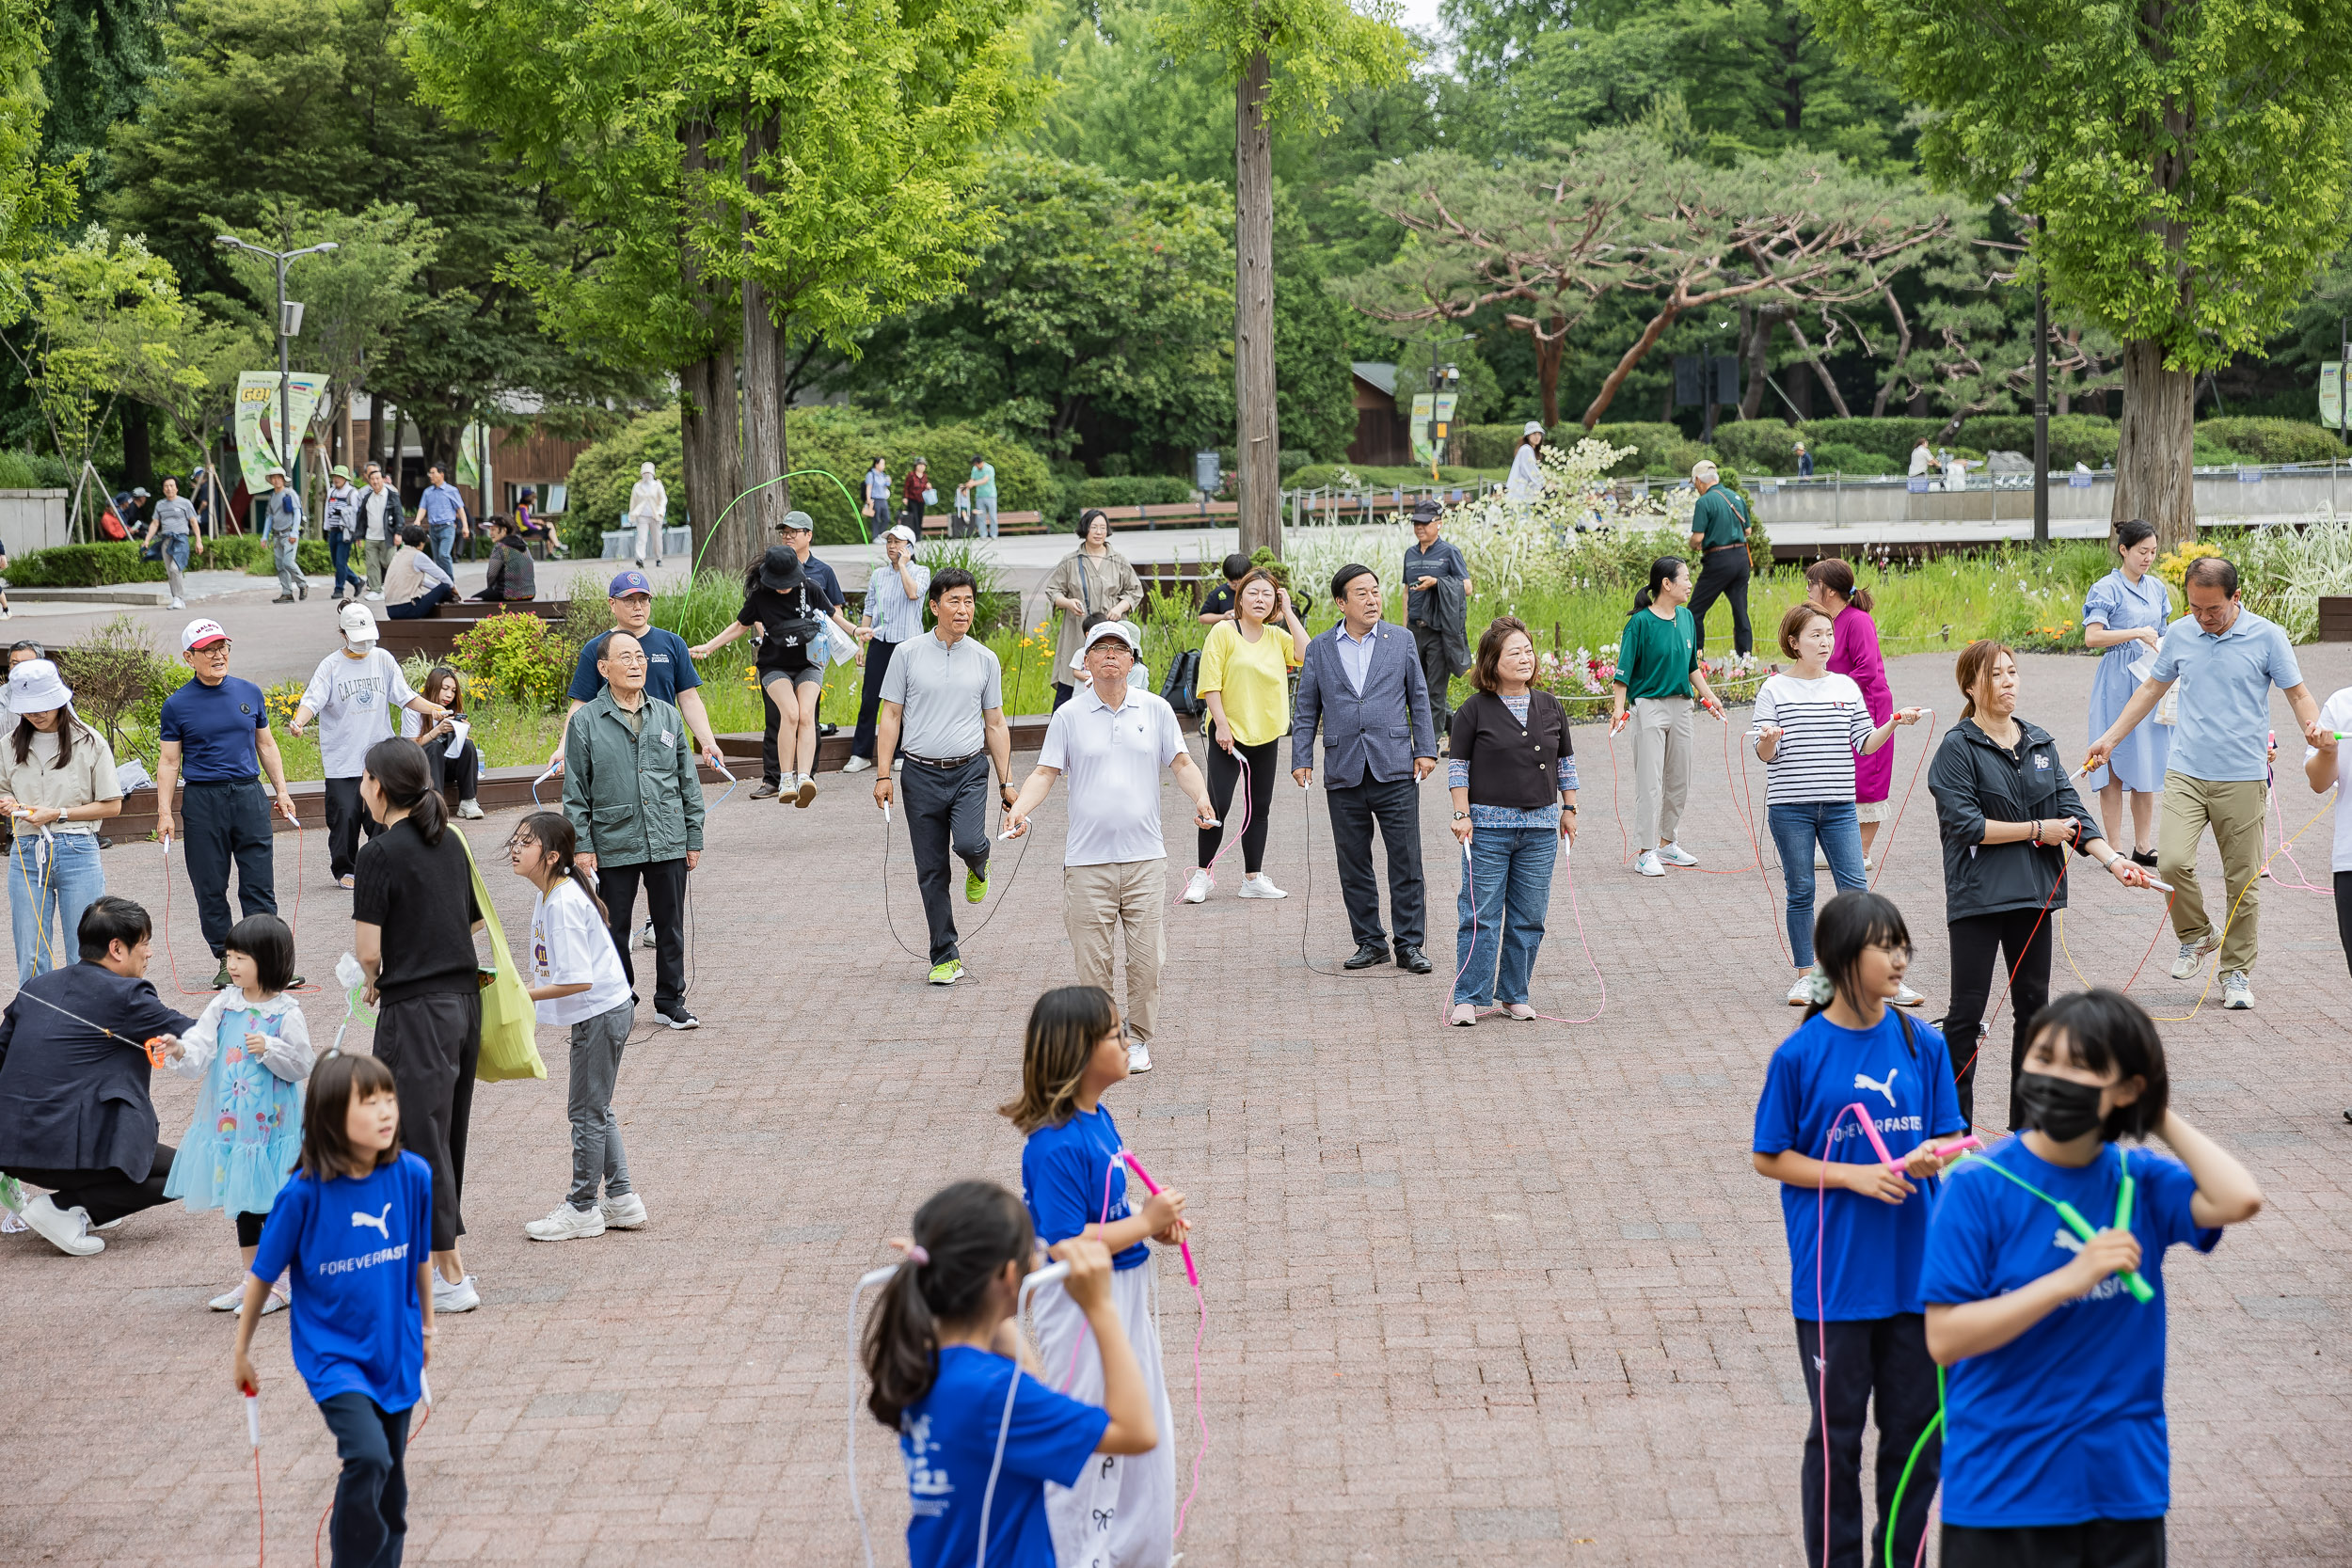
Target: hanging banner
column 1424, row 404
column 2330, row 394
column 470, row 447
column 258, row 446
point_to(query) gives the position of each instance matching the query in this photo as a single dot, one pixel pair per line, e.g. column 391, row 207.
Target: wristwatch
column 1460, row 815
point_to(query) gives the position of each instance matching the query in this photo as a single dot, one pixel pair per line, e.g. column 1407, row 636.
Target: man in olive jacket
column 630, row 789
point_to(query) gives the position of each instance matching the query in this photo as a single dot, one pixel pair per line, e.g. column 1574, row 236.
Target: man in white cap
column 1719, row 532
column 1112, row 740
column 215, row 736
column 648, row 508
column 352, row 695
column 893, row 613
column 282, row 526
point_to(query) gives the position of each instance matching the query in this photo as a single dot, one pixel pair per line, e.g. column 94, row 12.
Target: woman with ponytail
column 577, row 979
column 943, row 1352
column 1830, row 584
column 1658, row 669
column 416, row 879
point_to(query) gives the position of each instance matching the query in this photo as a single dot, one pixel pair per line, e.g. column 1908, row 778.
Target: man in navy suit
column 1362, row 680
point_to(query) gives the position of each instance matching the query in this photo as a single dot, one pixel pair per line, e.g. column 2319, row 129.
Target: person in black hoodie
column 2007, row 810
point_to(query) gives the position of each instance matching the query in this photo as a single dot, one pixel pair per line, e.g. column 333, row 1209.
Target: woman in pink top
column 1831, row 585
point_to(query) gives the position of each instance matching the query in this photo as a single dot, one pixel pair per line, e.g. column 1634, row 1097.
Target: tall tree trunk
column 1759, row 347
column 1257, row 445
column 376, row 435
column 1547, row 356
column 763, row 417
column 698, row 416
column 1820, row 371
column 138, row 449
column 1633, row 356
column 2154, row 479
column 1902, row 352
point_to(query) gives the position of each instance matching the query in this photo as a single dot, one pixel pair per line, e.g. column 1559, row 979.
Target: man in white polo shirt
column 1113, row 739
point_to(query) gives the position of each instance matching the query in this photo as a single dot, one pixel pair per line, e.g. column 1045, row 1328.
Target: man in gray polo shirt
column 943, row 698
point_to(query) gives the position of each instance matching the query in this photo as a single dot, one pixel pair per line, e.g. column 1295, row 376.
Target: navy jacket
column 1380, row 732
column 1975, row 782
column 70, row 1097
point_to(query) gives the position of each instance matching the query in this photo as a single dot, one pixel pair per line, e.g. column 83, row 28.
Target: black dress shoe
column 1369, row 954
column 1413, row 960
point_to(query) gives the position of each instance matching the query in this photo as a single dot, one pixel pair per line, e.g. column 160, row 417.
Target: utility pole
column 287, row 325
column 2041, row 409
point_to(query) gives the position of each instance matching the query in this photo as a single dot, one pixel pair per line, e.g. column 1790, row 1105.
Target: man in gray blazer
column 1363, row 681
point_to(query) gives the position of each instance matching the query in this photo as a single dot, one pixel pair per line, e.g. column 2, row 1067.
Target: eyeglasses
column 211, row 650
column 624, row 660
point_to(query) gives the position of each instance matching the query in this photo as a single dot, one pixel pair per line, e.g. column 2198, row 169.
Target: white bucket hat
column 1533, row 427
column 34, row 687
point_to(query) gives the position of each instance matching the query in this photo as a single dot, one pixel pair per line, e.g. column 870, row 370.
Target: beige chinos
column 1128, row 896
column 1662, row 768
column 2235, row 808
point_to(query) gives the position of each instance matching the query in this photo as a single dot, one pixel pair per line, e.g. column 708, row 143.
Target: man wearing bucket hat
column 1113, row 738
column 648, row 510
column 215, row 734
column 57, row 789
column 282, row 526
column 894, row 613
column 789, row 596
column 342, row 524
column 352, row 695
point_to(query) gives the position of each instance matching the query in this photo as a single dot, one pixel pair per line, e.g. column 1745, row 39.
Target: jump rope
column 252, row 1399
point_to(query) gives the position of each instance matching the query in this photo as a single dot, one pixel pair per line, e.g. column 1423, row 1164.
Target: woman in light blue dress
column 2125, row 614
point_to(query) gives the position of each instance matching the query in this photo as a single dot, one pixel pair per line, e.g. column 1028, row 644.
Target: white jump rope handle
column 424, row 1386
column 253, row 1418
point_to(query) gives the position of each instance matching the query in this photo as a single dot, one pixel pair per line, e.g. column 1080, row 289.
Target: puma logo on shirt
column 1864, row 1081
column 2068, row 1240
column 381, row 1222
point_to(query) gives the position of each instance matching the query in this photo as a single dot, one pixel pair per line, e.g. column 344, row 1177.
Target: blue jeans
column 443, row 537
column 51, row 882
column 339, row 548
column 984, row 516
column 1507, row 887
column 1794, row 829
column 371, row 1529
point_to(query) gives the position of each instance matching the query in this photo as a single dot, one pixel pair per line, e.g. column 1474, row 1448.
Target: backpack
column 1183, row 671
column 110, row 526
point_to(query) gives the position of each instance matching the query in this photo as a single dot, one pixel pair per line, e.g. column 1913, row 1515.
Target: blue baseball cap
column 627, row 583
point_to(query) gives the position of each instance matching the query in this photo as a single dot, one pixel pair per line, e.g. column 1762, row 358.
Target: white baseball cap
column 1120, row 629
column 900, row 531
column 358, row 625
column 200, row 634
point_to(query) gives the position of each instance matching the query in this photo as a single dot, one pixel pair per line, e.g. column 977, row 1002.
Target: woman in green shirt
column 1658, row 667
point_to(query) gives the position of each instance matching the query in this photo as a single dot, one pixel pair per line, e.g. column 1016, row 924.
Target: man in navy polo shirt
column 670, row 672
column 215, row 736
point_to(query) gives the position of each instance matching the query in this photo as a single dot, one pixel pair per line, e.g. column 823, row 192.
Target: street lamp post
column 286, row 329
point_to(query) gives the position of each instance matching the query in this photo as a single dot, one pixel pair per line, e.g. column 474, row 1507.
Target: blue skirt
column 2139, row 759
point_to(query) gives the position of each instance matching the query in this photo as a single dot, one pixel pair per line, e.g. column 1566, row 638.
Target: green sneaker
column 949, row 972
column 220, row 977
column 974, row 886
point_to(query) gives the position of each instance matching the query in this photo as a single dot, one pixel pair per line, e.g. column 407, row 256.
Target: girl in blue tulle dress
column 252, row 1050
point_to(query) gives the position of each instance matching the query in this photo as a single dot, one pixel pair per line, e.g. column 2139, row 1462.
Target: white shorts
column 1123, row 1512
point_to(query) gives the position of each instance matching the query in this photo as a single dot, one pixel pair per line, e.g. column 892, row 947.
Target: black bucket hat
column 780, row 569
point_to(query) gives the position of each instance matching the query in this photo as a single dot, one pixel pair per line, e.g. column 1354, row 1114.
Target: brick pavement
column 1509, row 1296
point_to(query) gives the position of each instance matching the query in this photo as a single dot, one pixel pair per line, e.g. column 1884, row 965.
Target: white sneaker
column 1801, row 994
column 376, row 596
column 1906, row 997
column 1868, row 865
column 470, row 810
column 460, row 1297
column 1463, row 1016
column 1196, row 890
column 67, row 1229
column 625, row 1212
column 644, row 937
column 179, row 604
column 1262, row 886
column 857, row 765
column 2238, row 990
column 2192, row 958
column 1675, row 854
column 1646, row 863
column 564, row 1223
column 1139, row 1056
column 1519, row 1011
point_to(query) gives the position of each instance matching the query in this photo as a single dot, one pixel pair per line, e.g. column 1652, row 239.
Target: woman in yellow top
column 1245, row 678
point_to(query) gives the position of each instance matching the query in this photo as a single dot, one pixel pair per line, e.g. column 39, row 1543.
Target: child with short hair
column 1074, row 1182
column 355, row 1225
column 1858, row 1228
column 2054, row 1452
column 251, row 1048
column 943, row 1352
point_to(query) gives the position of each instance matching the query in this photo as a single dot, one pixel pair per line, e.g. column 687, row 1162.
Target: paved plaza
column 1509, row 1295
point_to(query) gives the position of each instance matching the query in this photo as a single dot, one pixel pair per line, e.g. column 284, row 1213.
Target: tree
column 34, row 193
column 103, row 57
column 1285, row 59
column 2189, row 165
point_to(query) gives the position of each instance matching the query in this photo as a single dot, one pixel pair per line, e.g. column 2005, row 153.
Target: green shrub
column 597, row 494
column 1135, row 490
column 1486, row 445
column 1759, row 446
column 1659, row 447
column 231, row 552
column 312, row 558
column 2087, row 438
column 2257, row 440
column 1837, row 457
column 32, row 470
column 1319, row 476
column 518, row 659
column 83, row 566
column 118, row 677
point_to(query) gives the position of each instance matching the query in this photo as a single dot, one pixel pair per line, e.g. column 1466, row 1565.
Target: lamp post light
column 289, row 324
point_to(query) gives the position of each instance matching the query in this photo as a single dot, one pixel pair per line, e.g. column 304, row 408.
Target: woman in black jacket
column 2007, row 810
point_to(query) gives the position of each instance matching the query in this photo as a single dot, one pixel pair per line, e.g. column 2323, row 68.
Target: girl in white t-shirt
column 577, row 978
column 1809, row 724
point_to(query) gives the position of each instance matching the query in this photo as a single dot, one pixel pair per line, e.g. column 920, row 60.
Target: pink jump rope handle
column 1948, row 1150
column 1192, row 1275
column 1871, row 1129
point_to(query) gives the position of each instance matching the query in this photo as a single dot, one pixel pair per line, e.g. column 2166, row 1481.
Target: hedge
column 2272, row 440
column 1130, row 490
column 1322, row 476
column 310, row 556
column 33, row 470
column 82, row 566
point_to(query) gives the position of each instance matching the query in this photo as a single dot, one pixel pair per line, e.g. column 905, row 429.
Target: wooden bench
column 436, row 634
column 1196, row 513
column 936, row 524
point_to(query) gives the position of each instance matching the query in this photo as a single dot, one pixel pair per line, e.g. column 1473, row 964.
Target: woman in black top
column 788, row 607
column 1513, row 771
column 2007, row 810
column 415, row 879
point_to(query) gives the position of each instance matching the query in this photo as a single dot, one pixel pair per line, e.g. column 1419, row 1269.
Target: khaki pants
column 379, row 557
column 1132, row 896
column 1662, row 768
column 2235, row 809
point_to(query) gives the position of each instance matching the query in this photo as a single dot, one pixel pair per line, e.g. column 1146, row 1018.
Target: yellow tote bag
column 510, row 1046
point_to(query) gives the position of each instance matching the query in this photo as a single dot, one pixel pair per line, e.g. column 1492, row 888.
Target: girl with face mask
column 2054, row 1452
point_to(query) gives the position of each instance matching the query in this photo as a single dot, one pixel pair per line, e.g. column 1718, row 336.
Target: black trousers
column 371, row 1527
column 432, row 1043
column 107, row 1194
column 2097, row 1543
column 2344, row 912
column 1224, row 774
column 665, row 905
column 947, row 809
column 1986, row 947
column 1429, row 644
column 1395, row 806
column 869, row 697
column 1884, row 1360
column 1062, row 690
column 220, row 823
column 347, row 823
column 464, row 771
column 1724, row 574
column 422, row 605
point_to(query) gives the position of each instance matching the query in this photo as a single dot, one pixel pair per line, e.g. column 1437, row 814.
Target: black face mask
column 2059, row 1107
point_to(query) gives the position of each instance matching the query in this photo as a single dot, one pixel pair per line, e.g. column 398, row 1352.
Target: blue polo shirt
column 2224, row 729
column 215, row 726
column 442, row 504
column 668, row 667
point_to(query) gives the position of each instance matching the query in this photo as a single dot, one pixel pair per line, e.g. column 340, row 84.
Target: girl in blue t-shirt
column 1858, row 1226
column 2054, row 1452
column 1074, row 1182
column 943, row 1352
column 355, row 1226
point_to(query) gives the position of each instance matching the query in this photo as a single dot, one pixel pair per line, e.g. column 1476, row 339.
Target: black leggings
column 1986, row 947
column 249, row 1229
column 1224, row 773
column 2344, row 912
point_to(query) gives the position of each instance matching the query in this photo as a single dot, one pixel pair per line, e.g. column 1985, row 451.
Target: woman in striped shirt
column 1809, row 725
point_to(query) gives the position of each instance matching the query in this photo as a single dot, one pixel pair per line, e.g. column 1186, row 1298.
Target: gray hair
column 1706, row 473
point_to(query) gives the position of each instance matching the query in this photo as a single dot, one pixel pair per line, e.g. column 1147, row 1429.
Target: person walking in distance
column 215, row 736
column 1362, row 683
column 1719, row 536
column 1437, row 607
column 352, row 695
column 281, row 524
column 944, row 697
column 648, row 511
column 878, row 494
column 1658, row 669
column 1113, row 739
column 893, row 614
column 1244, row 679
column 378, row 512
column 979, row 491
column 634, row 798
column 174, row 523
column 441, row 513
column 342, row 523
column 2219, row 767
